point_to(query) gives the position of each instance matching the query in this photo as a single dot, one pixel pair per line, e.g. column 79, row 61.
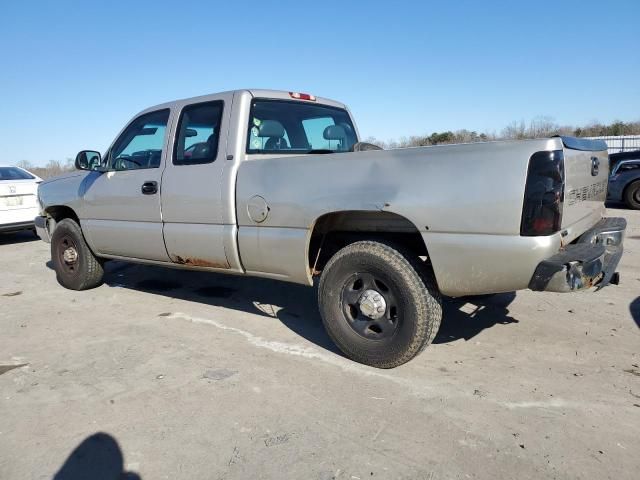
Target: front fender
column 66, row 191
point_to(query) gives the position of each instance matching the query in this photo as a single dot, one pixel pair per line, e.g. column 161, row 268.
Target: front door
column 121, row 208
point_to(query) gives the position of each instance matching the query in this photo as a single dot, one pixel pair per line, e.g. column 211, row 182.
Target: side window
column 198, row 134
column 140, row 145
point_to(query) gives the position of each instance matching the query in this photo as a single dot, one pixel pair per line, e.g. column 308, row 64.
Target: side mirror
column 88, row 160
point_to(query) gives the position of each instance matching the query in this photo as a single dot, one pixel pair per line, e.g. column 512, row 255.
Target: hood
column 64, row 176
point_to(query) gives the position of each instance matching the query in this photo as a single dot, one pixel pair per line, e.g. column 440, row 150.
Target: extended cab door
column 121, row 208
column 192, row 205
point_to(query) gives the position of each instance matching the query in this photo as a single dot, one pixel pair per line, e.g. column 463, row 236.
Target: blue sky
column 73, row 73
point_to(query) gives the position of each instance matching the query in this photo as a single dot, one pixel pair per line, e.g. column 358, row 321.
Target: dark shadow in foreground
column 98, row 457
column 635, row 311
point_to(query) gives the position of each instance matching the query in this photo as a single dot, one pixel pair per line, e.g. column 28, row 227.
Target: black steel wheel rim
column 68, row 256
column 351, row 295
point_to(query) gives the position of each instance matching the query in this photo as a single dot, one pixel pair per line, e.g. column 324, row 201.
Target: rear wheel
column 632, row 195
column 77, row 268
column 379, row 304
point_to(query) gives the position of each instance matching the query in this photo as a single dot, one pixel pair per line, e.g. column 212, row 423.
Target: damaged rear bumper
column 589, row 262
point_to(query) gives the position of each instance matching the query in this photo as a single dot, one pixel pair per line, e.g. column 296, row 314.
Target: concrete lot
column 202, row 376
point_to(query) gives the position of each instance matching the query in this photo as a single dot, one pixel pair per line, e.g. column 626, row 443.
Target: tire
column 632, row 195
column 77, row 268
column 411, row 303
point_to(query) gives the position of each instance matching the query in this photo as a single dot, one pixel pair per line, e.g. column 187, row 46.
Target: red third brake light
column 302, row 96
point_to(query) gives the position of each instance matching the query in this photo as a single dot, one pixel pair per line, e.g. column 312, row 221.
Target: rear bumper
column 589, row 262
column 41, row 228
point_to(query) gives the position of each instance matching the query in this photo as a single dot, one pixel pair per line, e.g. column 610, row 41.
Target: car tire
column 381, row 332
column 632, row 195
column 76, row 267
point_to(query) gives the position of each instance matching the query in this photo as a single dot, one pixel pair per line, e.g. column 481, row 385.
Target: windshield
column 284, row 126
column 13, row 173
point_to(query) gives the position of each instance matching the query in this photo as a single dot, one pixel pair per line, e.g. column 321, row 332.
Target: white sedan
column 18, row 199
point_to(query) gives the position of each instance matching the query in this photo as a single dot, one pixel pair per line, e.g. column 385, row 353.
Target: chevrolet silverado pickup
column 277, row 184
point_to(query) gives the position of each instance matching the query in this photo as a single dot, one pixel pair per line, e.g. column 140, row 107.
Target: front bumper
column 41, row 229
column 591, row 261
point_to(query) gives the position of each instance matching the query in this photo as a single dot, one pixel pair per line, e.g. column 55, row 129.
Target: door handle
column 149, row 188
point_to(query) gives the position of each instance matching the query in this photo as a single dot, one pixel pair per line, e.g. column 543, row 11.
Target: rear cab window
column 295, row 127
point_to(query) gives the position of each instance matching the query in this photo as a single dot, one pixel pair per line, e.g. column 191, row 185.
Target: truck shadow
column 466, row 317
column 293, row 305
column 610, row 204
column 634, row 308
column 98, row 457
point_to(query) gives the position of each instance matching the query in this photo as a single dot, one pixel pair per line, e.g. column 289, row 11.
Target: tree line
column 536, row 128
column 51, row 169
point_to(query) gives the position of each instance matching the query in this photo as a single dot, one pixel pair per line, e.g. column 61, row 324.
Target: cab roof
column 254, row 92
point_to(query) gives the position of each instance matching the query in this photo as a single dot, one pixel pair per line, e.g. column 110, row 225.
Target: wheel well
column 336, row 230
column 59, row 213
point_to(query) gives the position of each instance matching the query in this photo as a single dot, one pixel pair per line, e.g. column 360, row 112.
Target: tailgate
column 17, row 194
column 586, row 166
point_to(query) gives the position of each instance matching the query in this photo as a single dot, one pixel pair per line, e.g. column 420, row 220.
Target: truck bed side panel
column 473, row 191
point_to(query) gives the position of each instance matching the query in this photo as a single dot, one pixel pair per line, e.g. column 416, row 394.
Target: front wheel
column 380, row 305
column 632, row 195
column 76, row 266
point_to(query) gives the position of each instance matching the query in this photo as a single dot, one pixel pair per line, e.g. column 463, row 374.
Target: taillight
column 302, row 96
column 543, row 194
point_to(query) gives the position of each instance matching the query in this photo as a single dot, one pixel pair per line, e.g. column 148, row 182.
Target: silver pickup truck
column 278, row 185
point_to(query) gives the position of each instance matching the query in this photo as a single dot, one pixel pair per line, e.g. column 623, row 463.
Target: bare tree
column 542, row 127
column 515, row 131
column 26, row 164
